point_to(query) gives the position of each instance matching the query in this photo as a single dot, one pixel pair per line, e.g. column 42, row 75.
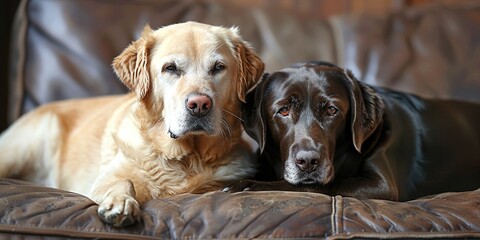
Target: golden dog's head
column 191, row 76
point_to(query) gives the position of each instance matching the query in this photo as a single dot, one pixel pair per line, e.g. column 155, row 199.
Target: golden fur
column 118, row 150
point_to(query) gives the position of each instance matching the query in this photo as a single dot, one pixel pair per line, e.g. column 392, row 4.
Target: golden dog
column 179, row 131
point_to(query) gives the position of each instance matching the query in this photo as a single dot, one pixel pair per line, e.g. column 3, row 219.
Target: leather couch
column 63, row 49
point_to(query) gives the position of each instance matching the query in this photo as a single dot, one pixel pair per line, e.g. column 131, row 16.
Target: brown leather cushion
column 27, row 209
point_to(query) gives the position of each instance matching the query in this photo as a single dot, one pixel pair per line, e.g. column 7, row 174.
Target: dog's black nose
column 198, row 104
column 307, row 164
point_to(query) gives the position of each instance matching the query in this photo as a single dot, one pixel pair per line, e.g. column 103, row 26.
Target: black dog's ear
column 253, row 119
column 366, row 110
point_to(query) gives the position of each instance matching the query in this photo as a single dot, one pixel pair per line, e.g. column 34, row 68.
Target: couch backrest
column 63, row 49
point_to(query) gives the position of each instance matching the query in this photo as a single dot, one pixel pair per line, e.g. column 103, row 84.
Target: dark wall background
column 7, row 11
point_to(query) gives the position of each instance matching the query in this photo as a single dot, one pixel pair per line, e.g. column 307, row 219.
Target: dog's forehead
column 302, row 73
column 193, row 41
column 309, row 80
column 301, row 76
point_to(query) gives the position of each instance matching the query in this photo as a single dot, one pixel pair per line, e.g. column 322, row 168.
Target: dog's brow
column 218, row 46
column 178, row 59
column 215, row 57
column 333, row 97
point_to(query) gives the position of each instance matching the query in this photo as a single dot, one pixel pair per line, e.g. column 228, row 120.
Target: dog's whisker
column 226, row 130
column 237, row 117
column 225, row 135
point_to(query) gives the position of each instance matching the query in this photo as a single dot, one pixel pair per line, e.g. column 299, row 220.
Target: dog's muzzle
column 197, row 117
column 308, row 167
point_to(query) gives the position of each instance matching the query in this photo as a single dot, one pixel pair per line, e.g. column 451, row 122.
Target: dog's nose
column 307, row 164
column 198, row 104
column 307, row 161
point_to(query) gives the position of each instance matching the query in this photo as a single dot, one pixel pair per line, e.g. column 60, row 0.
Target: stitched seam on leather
column 339, row 206
column 338, row 214
column 333, row 218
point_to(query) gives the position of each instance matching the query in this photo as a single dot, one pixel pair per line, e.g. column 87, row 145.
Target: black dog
column 321, row 130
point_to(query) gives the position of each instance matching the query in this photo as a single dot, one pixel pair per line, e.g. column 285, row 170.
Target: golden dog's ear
column 250, row 66
column 366, row 108
column 132, row 65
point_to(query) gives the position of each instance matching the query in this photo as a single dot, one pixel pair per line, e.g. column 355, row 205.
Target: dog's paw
column 119, row 210
column 242, row 186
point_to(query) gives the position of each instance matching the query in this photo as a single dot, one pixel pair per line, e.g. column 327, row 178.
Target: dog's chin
column 193, row 130
column 184, row 126
column 308, row 179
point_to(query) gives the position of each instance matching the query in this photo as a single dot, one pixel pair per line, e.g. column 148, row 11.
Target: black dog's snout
column 198, row 104
column 307, row 161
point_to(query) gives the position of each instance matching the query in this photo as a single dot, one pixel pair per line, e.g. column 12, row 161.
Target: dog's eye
column 218, row 67
column 170, row 67
column 284, row 111
column 331, row 111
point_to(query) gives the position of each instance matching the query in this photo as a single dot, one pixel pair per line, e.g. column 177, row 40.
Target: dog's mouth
column 193, row 127
column 311, row 179
column 173, row 135
column 308, row 181
column 195, row 130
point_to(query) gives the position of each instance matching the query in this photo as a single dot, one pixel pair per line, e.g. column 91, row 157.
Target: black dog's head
column 308, row 114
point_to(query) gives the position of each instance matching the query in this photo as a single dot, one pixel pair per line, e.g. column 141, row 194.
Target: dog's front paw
column 119, row 210
column 242, row 186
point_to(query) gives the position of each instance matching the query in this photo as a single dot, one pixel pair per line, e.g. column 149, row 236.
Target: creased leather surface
column 434, row 52
column 451, row 214
column 27, row 209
